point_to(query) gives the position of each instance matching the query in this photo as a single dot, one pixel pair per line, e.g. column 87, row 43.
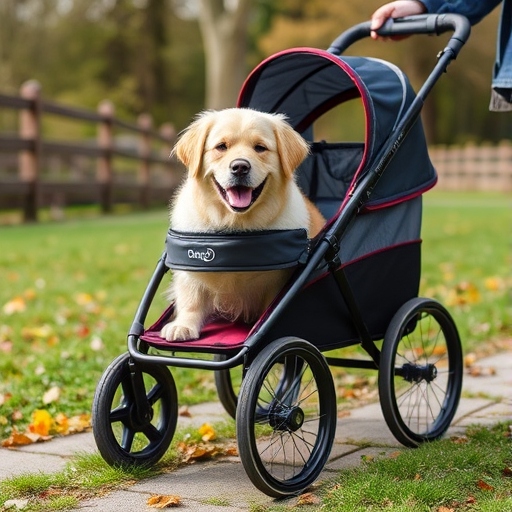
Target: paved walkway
column 486, row 399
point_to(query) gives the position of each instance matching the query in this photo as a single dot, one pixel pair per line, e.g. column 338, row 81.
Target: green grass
column 467, row 261
column 87, row 475
column 79, row 282
column 469, row 475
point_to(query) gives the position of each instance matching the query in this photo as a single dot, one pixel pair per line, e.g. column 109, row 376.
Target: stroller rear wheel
column 227, row 385
column 135, row 411
column 286, row 417
column 420, row 375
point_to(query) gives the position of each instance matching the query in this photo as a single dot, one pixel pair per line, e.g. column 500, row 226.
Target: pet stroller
column 355, row 283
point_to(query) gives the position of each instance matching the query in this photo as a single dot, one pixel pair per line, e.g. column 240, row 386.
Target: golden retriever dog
column 240, row 165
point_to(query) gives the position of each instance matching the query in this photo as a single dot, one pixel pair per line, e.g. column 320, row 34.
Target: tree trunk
column 224, row 32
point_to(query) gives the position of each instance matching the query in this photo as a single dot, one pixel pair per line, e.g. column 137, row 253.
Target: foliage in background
column 147, row 55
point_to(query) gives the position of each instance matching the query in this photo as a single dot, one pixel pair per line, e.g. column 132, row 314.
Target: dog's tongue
column 239, row 197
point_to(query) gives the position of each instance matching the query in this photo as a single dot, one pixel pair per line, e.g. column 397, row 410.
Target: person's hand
column 397, row 9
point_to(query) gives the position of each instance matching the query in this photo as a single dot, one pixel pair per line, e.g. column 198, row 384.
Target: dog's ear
column 291, row 147
column 190, row 146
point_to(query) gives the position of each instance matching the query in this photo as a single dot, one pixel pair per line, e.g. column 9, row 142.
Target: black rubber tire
column 420, row 372
column 226, row 391
column 286, row 409
column 121, row 437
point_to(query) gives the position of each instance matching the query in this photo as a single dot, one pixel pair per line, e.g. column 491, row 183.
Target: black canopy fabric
column 304, row 83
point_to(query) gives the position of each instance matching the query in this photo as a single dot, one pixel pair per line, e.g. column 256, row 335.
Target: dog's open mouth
column 240, row 198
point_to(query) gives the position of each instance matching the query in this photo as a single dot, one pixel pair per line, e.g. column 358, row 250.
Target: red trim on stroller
column 368, row 142
column 219, row 333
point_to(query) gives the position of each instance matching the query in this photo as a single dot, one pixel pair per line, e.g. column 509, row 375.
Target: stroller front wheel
column 420, row 374
column 135, row 411
column 286, row 417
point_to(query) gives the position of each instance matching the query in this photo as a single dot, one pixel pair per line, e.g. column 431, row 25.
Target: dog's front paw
column 174, row 332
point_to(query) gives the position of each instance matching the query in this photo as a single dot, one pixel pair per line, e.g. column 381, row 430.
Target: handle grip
column 422, row 24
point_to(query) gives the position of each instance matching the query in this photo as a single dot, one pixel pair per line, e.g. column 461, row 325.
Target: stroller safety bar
column 423, row 24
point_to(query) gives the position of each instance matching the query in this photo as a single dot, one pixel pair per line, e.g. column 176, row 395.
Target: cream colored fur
column 215, row 197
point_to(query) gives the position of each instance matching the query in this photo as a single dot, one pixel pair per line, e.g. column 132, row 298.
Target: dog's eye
column 260, row 148
column 221, row 147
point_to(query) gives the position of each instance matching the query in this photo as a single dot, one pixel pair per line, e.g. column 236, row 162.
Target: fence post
column 105, row 137
column 30, row 159
column 145, row 123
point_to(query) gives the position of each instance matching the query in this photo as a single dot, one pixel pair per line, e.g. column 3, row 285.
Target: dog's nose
column 240, row 167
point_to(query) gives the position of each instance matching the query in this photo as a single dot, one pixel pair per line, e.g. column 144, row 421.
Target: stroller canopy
column 305, row 83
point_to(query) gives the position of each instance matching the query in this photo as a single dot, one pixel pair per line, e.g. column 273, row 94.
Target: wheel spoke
column 152, row 433
column 121, row 413
column 127, row 439
column 155, row 393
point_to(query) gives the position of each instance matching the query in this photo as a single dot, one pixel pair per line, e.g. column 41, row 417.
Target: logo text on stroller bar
column 206, row 255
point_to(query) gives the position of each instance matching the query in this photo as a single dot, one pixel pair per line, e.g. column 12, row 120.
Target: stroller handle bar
column 421, row 24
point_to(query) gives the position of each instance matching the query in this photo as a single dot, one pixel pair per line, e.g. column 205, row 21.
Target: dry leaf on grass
column 23, row 438
column 44, row 426
column 162, row 501
column 207, row 432
column 308, row 498
column 459, row 439
column 485, row 486
column 184, row 411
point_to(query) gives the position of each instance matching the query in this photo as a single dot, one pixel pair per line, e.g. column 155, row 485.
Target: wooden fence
column 30, row 185
column 152, row 178
column 472, row 167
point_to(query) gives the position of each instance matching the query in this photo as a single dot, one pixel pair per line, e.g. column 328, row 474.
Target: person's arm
column 474, row 10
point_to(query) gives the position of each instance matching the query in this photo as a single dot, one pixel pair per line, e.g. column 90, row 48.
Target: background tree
column 173, row 58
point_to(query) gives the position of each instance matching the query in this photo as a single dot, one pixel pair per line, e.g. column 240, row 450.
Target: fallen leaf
column 6, row 346
column 184, row 411
column 485, row 486
column 52, row 395
column 41, row 422
column 61, row 423
column 16, row 305
column 17, row 504
column 459, row 439
column 308, row 498
column 445, row 509
column 79, row 423
column 494, row 284
column 507, row 471
column 470, row 359
column 16, row 439
column 4, row 397
column 207, row 432
column 97, row 344
column 162, row 501
column 29, row 294
column 38, row 332
column 17, row 415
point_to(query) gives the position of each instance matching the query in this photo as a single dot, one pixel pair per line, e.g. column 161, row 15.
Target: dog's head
column 242, row 154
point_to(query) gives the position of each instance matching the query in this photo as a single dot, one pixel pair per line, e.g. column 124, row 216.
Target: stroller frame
column 129, row 368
